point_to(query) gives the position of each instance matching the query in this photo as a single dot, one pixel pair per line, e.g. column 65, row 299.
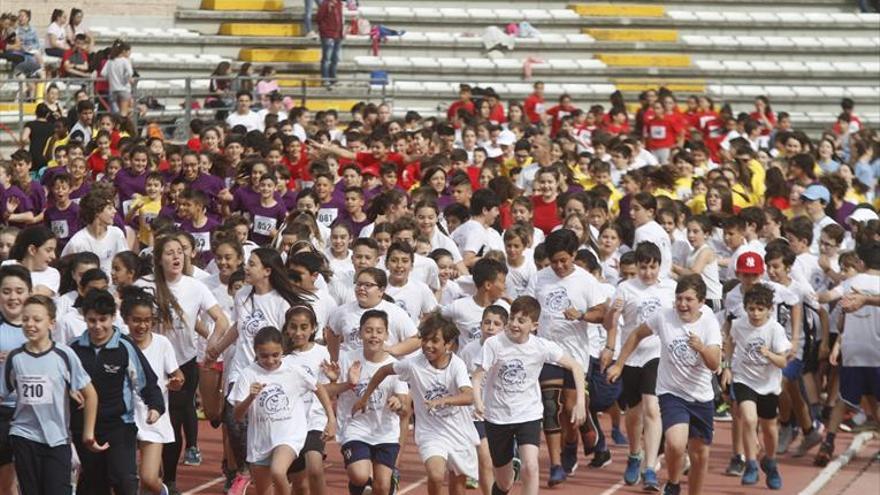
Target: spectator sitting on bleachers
column 76, row 27
column 56, row 39
column 75, row 62
column 28, row 37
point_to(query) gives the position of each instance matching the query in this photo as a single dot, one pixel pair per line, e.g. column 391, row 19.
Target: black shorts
column 503, row 439
column 767, row 405
column 481, row 429
column 382, row 453
column 313, row 444
column 551, row 372
column 40, row 468
column 638, row 381
column 6, row 414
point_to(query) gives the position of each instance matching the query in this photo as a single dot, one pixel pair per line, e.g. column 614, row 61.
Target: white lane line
column 413, row 486
column 614, row 488
column 837, row 464
column 205, row 486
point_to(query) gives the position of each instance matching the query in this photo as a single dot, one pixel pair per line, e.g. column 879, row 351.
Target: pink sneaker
column 240, row 484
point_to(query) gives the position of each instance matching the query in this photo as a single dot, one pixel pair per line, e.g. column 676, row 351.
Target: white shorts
column 461, row 460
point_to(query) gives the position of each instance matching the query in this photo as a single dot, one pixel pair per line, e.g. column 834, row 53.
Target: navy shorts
column 503, row 439
column 551, row 372
column 766, row 404
column 6, row 414
column 313, row 444
column 602, row 394
column 638, row 381
column 793, row 370
column 697, row 415
column 383, row 453
column 858, row 381
column 481, row 428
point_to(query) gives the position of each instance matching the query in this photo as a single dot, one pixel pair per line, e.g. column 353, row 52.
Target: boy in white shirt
column 511, row 363
column 734, row 239
column 690, row 343
column 799, row 232
column 857, row 350
column 467, row 312
column 637, row 300
column 476, row 236
column 520, row 266
column 643, row 209
column 815, row 198
column 570, row 301
column 441, row 391
column 755, row 353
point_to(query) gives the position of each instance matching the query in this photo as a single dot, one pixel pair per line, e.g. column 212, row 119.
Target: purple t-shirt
column 354, row 227
column 202, row 236
column 264, row 220
column 63, row 223
column 24, row 203
column 37, row 196
column 127, row 184
column 49, row 173
column 78, row 193
column 289, row 200
column 210, row 185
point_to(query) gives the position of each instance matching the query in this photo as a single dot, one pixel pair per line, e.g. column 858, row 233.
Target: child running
column 441, row 390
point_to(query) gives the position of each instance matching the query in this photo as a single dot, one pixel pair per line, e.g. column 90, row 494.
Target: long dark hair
column 36, row 235
column 164, row 297
column 278, row 279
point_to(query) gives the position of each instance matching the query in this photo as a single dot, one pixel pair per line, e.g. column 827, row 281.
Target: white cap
column 863, row 215
column 506, row 138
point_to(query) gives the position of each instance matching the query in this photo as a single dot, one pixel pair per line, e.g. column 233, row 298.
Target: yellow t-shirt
column 147, row 213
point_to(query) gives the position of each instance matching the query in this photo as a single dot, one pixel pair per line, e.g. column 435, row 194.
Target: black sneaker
column 736, row 467
column 601, row 459
column 672, row 489
column 570, row 458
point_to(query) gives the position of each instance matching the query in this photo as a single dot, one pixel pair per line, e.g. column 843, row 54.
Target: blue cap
column 817, row 192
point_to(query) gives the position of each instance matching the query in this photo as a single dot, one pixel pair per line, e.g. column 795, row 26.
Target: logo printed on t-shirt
column 557, row 300
column 647, row 307
column 753, row 350
column 377, row 398
column 437, row 391
column 254, row 322
column 513, row 376
column 682, row 352
column 273, row 400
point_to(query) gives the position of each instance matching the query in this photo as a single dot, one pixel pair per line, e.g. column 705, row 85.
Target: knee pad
column 552, row 399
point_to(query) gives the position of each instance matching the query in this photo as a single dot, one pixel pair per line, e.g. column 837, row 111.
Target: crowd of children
column 507, row 274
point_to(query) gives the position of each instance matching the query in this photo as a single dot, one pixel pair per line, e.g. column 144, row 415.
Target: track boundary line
column 413, row 486
column 205, row 486
column 837, row 464
column 614, row 488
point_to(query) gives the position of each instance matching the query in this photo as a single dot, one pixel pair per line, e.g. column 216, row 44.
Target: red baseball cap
column 370, row 170
column 750, row 263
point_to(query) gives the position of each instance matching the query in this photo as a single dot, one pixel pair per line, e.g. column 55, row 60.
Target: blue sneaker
column 750, row 475
column 557, row 476
column 774, row 479
column 618, row 437
column 570, row 458
column 671, row 489
column 649, row 481
column 632, row 474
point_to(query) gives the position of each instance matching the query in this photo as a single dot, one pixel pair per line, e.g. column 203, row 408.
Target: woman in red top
column 544, row 202
column 662, row 133
column 534, row 104
column 560, row 111
column 764, row 115
column 98, row 159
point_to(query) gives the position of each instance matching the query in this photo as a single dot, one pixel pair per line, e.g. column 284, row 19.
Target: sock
column 355, row 490
column 496, row 490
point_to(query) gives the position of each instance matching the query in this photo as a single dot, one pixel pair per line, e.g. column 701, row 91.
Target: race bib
column 540, row 108
column 326, row 216
column 658, row 132
column 263, row 225
column 203, row 241
column 34, row 390
column 59, row 228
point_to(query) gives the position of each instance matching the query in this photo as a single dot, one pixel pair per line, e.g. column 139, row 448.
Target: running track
column 860, row 477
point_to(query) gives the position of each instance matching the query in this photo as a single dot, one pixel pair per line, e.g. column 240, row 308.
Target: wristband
column 609, row 349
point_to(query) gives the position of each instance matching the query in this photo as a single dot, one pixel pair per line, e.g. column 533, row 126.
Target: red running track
column 796, row 473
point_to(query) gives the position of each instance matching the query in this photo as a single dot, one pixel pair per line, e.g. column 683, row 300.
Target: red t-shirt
column 453, row 109
column 771, row 117
column 661, row 133
column 617, row 128
column 194, row 143
column 533, row 108
column 366, row 159
column 558, row 113
column 97, row 163
column 545, row 217
column 412, row 173
column 497, row 115
column 298, row 170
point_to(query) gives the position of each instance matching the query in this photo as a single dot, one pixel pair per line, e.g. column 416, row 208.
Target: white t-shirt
column 681, row 371
column 250, row 120
column 517, row 280
column 277, row 415
column 640, row 303
column 653, row 232
column 512, row 393
column 377, row 424
column 817, row 232
column 598, row 336
column 474, row 237
column 806, row 269
column 106, row 247
column 425, row 270
column 160, row 355
column 782, row 296
column 449, row 425
column 323, row 305
column 49, row 278
column 748, row 366
column 451, row 292
column 467, row 315
column 310, row 363
column 579, row 290
column 346, row 323
column 439, row 240
column 414, row 297
column 252, row 312
column 194, row 298
column 860, row 344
